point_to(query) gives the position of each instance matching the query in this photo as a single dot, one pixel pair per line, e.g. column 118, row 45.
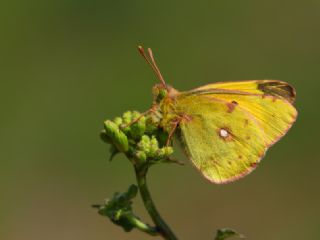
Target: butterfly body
column 226, row 128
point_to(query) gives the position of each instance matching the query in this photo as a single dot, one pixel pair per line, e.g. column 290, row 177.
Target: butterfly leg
column 174, row 127
column 152, row 109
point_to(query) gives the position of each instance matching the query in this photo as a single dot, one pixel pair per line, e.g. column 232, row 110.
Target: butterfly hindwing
column 223, row 145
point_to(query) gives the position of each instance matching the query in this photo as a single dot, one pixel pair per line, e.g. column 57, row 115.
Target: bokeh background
column 66, row 66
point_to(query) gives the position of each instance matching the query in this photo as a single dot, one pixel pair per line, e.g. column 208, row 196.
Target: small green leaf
column 225, row 233
column 132, row 192
column 113, row 152
column 119, row 210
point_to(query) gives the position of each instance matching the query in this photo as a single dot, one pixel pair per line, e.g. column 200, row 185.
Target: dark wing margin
column 277, row 89
column 273, row 88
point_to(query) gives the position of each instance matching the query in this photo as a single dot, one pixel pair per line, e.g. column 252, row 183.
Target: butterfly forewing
column 274, row 88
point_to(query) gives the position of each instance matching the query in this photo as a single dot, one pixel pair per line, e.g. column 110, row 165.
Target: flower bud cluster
column 138, row 136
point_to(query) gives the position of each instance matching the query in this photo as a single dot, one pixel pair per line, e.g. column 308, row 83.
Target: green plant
column 144, row 143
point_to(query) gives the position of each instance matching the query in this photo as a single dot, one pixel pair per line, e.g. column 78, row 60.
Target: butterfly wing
column 268, row 101
column 227, row 130
column 274, row 88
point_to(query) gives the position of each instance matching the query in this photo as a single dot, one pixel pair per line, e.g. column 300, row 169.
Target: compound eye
column 162, row 93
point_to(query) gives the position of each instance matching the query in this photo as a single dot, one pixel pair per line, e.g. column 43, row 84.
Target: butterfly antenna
column 150, row 60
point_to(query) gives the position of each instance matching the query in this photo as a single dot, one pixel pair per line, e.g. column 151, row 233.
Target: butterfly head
column 161, row 92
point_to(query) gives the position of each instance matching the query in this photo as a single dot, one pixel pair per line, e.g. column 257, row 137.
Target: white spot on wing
column 223, row 133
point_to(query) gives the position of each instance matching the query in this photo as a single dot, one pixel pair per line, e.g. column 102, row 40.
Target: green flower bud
column 168, row 151
column 164, row 152
column 118, row 121
column 135, row 115
column 138, row 128
column 154, row 147
column 127, row 117
column 141, row 156
column 117, row 137
column 144, row 144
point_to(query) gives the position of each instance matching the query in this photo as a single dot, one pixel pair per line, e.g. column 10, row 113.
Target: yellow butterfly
column 225, row 128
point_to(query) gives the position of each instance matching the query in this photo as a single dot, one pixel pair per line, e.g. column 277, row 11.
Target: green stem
column 162, row 227
column 144, row 227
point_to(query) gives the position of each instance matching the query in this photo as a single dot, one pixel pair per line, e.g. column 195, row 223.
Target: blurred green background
column 66, row 66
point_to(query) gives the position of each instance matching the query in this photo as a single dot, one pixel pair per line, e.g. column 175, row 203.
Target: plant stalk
column 144, row 227
column 161, row 226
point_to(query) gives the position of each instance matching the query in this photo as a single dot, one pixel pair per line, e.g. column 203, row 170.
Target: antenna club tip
column 140, row 48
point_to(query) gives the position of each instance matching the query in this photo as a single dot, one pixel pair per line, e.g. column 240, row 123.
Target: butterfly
column 225, row 128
